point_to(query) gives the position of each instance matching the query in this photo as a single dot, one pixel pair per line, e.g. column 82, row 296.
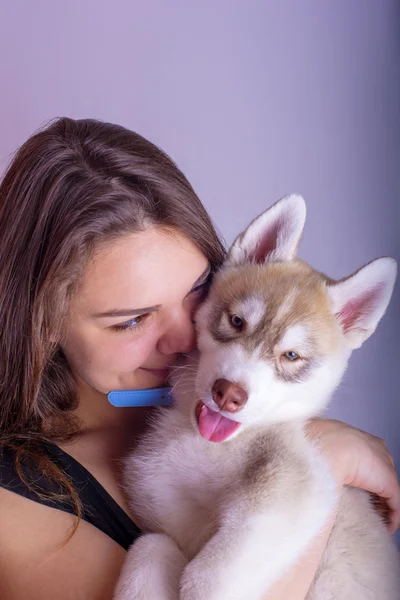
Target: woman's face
column 133, row 311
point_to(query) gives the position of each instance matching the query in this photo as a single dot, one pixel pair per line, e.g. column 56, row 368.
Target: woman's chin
column 153, row 378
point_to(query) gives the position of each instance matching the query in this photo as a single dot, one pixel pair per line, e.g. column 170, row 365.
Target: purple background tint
column 253, row 100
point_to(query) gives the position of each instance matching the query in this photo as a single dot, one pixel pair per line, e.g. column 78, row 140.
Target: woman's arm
column 33, row 565
column 358, row 459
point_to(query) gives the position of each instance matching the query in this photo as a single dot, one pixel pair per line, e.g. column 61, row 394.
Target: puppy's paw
column 152, row 570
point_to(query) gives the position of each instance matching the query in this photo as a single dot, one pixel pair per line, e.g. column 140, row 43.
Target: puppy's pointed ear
column 360, row 301
column 273, row 236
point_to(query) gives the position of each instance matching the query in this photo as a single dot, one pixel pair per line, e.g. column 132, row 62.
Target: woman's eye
column 291, row 355
column 131, row 324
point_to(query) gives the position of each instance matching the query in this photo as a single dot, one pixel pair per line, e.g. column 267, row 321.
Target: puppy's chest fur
column 183, row 485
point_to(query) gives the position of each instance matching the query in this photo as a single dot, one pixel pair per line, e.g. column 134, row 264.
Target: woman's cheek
column 129, row 353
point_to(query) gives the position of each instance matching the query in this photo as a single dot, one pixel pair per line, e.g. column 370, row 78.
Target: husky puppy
column 226, row 485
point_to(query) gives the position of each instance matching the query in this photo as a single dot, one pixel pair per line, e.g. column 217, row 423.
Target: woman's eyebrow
column 128, row 312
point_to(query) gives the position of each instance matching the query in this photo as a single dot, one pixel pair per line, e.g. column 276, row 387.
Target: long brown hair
column 70, row 187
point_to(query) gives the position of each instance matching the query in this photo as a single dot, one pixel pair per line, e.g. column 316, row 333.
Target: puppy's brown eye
column 291, row 355
column 237, row 322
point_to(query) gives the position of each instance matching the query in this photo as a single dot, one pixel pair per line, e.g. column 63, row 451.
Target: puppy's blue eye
column 291, row 355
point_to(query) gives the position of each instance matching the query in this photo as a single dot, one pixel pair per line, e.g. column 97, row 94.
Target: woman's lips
column 160, row 373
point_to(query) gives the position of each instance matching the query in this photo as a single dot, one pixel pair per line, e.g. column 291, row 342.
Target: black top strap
column 99, row 508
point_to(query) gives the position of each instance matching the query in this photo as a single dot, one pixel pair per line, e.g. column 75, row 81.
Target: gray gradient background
column 253, row 100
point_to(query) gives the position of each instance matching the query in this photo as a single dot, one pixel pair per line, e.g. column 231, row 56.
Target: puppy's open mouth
column 212, row 425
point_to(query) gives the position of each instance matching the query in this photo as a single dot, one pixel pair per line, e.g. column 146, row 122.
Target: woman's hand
column 360, row 460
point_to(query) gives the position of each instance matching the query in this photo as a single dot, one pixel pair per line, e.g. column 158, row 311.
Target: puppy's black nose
column 228, row 396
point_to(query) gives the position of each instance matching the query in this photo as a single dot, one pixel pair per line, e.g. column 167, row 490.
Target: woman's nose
column 179, row 336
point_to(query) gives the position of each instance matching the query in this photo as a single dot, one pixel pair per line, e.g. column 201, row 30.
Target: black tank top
column 99, row 508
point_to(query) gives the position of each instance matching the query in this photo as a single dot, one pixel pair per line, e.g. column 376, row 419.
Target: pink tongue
column 213, row 426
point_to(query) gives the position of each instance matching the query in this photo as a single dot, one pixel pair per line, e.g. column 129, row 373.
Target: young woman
column 105, row 254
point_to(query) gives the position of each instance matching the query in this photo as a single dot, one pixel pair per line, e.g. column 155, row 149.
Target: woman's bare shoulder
column 34, row 564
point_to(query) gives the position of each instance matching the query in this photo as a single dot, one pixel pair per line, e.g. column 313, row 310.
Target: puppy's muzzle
column 228, row 396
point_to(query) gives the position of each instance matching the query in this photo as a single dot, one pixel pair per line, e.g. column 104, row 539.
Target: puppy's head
column 275, row 335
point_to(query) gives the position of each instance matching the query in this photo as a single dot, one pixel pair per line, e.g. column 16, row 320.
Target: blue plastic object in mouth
column 153, row 397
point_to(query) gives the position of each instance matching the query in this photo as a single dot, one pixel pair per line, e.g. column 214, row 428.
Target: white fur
column 229, row 519
column 295, row 338
column 253, row 310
